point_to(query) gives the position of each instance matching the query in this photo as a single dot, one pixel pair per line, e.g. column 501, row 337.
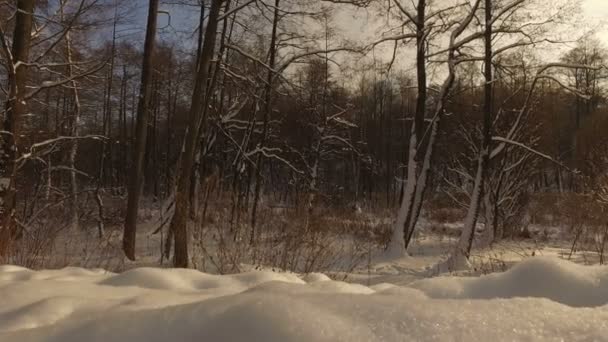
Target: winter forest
column 303, row 170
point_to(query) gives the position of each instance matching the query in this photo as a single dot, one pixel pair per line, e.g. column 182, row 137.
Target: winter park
column 303, row 170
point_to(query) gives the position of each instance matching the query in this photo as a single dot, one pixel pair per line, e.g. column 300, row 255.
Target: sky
column 597, row 11
column 596, row 7
column 357, row 25
column 594, row 12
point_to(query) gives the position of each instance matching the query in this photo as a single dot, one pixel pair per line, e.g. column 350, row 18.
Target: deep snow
column 540, row 299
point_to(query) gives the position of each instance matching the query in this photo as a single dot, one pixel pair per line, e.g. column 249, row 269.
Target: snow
column 540, row 299
column 541, row 277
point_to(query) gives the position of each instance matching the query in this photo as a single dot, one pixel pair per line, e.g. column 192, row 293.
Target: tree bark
column 75, row 131
column 179, row 221
column 401, row 232
column 15, row 109
column 259, row 179
column 194, row 183
column 136, row 176
column 468, row 233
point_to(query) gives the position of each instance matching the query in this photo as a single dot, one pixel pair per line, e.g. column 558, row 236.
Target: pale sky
column 596, row 7
column 597, row 12
column 362, row 25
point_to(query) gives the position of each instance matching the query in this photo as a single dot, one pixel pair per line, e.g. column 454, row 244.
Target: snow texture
column 541, row 299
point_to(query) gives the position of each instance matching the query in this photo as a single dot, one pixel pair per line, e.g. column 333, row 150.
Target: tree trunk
column 75, row 132
column 15, row 109
column 267, row 109
column 194, row 183
column 179, row 221
column 398, row 242
column 105, row 157
column 136, row 177
column 468, row 232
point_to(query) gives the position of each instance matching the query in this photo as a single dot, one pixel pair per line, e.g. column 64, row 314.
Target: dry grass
column 581, row 218
column 330, row 241
column 440, row 208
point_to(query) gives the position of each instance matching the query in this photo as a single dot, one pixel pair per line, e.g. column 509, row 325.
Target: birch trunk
column 75, row 132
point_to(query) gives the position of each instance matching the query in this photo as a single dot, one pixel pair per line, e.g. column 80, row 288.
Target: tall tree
column 141, row 131
column 267, row 109
column 468, row 232
column 419, row 166
column 179, row 221
column 17, row 59
column 75, row 119
column 414, row 165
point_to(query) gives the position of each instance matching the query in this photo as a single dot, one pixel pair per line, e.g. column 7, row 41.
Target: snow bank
column 559, row 301
column 541, row 277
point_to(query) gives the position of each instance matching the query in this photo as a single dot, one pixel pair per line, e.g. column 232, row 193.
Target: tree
column 589, row 51
column 272, row 53
column 136, row 177
column 17, row 58
column 417, row 175
column 179, row 222
column 587, row 81
column 461, row 254
column 466, row 240
column 76, row 116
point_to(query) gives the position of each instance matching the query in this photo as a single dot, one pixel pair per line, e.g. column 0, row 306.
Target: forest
column 303, row 170
column 208, row 134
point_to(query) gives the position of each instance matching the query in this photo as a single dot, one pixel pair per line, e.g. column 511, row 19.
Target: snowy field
column 539, row 299
column 517, row 290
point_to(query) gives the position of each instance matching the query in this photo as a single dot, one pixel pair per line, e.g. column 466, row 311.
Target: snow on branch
column 540, row 74
column 50, row 143
column 269, row 152
column 46, row 85
column 534, row 151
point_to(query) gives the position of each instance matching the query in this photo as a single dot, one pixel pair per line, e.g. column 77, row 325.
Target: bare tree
column 179, row 222
column 76, row 117
column 470, row 222
column 417, row 175
column 136, row 177
column 267, row 111
column 17, row 58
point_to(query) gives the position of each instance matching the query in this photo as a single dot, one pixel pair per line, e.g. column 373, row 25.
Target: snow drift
column 551, row 278
column 538, row 300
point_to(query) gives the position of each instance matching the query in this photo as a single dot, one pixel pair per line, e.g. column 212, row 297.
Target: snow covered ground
column 539, row 299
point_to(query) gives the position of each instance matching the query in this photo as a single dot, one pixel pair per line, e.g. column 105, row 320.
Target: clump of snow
column 541, row 299
column 456, row 262
column 192, row 280
column 542, row 277
column 314, row 277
